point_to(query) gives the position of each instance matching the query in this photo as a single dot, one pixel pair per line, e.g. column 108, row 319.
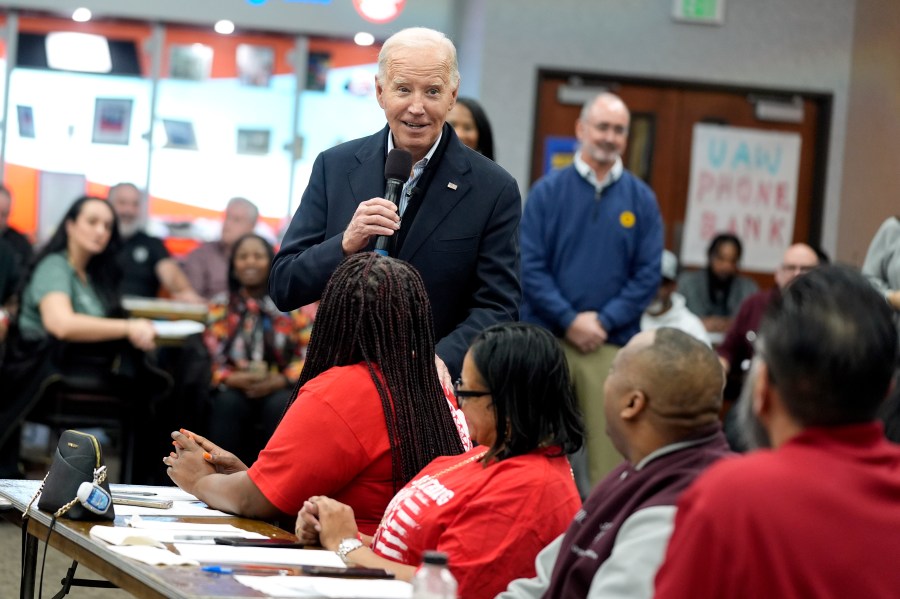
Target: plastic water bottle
column 433, row 579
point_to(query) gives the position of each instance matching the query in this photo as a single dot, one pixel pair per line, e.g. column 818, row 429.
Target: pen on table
column 246, row 569
column 133, row 493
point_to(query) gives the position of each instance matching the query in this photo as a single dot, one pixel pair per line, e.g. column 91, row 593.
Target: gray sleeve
column 629, row 572
column 884, row 248
column 534, row 588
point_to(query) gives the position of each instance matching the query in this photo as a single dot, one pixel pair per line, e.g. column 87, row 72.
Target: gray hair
column 254, row 211
column 609, row 96
column 118, row 186
column 419, row 37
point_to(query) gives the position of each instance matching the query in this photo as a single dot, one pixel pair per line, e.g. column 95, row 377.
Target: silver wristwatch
column 346, row 546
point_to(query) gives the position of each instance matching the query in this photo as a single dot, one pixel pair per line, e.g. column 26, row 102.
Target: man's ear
column 635, row 403
column 762, row 392
column 379, row 91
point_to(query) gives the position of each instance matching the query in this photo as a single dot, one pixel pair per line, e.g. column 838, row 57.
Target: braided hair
column 375, row 310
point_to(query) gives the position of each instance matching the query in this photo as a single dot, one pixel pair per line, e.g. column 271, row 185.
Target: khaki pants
column 588, row 373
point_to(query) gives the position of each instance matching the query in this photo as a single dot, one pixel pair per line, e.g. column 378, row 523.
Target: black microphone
column 396, row 171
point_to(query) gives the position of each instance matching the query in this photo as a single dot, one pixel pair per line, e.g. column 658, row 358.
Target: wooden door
column 663, row 115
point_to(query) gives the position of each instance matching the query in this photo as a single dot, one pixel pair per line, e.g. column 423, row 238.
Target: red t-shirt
column 491, row 521
column 332, row 441
column 817, row 517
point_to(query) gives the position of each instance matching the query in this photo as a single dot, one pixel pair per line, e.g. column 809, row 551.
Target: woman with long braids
column 495, row 507
column 368, row 410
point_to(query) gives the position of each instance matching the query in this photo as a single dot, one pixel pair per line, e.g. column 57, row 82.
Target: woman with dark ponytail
column 367, row 413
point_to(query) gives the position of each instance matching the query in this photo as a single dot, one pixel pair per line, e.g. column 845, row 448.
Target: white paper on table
column 192, row 509
column 177, row 329
column 225, row 554
column 316, row 586
column 125, row 535
column 155, row 492
column 187, row 527
column 152, row 555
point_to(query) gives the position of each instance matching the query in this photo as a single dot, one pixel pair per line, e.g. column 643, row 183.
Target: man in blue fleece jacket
column 591, row 241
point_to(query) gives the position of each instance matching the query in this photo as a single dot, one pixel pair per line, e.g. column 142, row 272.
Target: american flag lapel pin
column 452, row 185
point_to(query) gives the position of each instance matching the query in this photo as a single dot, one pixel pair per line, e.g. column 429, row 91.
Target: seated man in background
column 20, row 244
column 716, row 292
column 207, row 266
column 662, row 402
column 668, row 308
column 144, row 260
column 817, row 515
column 737, row 348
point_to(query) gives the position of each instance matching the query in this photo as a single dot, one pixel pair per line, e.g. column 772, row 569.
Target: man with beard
column 145, row 261
column 668, row 308
column 591, row 240
column 716, row 292
column 816, row 515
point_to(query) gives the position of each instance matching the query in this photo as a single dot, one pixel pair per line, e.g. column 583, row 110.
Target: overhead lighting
column 225, row 27
column 70, row 51
column 81, row 15
column 364, row 39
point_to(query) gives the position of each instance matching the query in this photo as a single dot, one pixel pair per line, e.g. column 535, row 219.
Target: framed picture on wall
column 253, row 141
column 193, row 62
column 255, row 64
column 26, row 121
column 112, row 121
column 180, row 134
column 317, row 71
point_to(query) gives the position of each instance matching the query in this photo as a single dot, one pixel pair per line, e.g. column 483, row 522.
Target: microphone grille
column 398, row 164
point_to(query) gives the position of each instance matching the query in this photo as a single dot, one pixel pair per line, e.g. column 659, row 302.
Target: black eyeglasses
column 462, row 394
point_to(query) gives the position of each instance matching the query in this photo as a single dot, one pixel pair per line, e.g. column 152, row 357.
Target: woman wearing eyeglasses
column 499, row 503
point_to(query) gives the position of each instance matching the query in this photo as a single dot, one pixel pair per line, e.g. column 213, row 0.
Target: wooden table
column 141, row 580
column 156, row 308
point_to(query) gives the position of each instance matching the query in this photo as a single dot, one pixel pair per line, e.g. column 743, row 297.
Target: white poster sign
column 743, row 181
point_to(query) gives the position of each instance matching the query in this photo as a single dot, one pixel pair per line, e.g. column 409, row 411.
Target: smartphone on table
column 349, row 572
column 242, row 542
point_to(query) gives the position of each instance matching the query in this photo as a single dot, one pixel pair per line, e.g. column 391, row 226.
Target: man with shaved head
column 662, row 400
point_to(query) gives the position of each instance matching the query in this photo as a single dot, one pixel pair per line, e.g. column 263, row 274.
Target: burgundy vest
column 592, row 534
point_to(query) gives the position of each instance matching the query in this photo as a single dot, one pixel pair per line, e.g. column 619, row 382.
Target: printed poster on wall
column 743, row 181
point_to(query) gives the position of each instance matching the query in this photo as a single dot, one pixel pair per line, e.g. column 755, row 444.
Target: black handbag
column 78, row 459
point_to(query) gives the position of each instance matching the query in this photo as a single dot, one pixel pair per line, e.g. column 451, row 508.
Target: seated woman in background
column 69, row 323
column 257, row 352
column 495, row 507
column 472, row 127
column 369, row 413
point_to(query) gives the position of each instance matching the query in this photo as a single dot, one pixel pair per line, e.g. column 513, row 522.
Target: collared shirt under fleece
column 584, row 249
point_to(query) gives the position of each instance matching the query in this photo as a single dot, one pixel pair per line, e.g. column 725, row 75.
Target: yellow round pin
column 627, row 219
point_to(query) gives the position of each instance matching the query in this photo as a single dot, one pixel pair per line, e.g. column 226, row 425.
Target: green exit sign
column 710, row 12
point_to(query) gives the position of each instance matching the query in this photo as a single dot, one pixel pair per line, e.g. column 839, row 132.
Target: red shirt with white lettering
column 481, row 517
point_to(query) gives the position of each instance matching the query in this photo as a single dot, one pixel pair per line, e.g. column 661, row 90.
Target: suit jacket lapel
column 366, row 179
column 440, row 198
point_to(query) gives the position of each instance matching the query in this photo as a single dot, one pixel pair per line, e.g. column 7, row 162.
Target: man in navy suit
column 460, row 211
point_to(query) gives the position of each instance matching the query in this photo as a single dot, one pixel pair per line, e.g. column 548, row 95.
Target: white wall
column 794, row 44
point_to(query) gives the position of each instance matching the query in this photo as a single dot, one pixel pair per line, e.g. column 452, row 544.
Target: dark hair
column 485, row 136
column 103, row 269
column 233, row 284
column 830, row 347
column 375, row 310
column 526, row 372
column 720, row 240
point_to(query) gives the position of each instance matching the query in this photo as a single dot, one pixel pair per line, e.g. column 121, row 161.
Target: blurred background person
column 716, row 292
column 369, row 414
column 882, row 264
column 882, row 268
column 472, row 127
column 499, row 503
column 207, row 266
column 147, row 268
column 668, row 308
column 18, row 242
column 257, row 353
column 70, row 322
